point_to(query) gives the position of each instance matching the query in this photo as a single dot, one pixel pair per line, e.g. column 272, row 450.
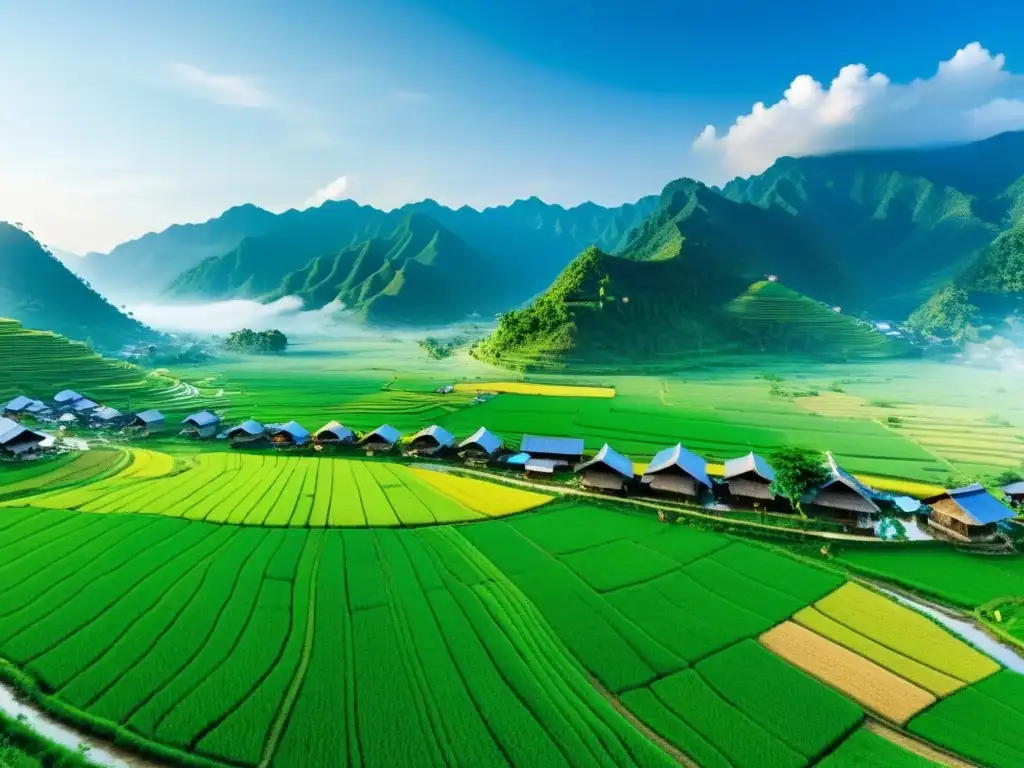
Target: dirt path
column 918, row 747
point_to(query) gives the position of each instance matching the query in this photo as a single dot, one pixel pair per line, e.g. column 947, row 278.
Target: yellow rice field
column 147, row 465
column 908, row 633
column 486, row 498
column 917, row 673
column 865, row 682
column 526, row 388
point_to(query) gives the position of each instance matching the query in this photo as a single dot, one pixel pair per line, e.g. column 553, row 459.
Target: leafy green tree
column 257, row 342
column 948, row 312
column 797, row 471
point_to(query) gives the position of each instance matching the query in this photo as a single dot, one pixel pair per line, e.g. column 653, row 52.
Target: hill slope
column 40, row 292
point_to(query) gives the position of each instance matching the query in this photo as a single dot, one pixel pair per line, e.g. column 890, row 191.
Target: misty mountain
column 39, row 292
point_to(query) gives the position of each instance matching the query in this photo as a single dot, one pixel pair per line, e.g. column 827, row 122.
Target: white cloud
column 970, row 96
column 336, row 190
column 229, row 90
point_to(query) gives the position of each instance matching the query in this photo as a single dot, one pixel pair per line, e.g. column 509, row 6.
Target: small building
column 844, row 498
column 568, row 451
column 38, row 409
column 291, row 433
column 84, row 406
column 105, row 416
column 609, row 470
column 968, row 514
column 432, row 441
column 201, row 426
column 534, row 467
column 383, row 439
column 676, row 471
column 19, row 404
column 516, row 460
column 66, row 397
column 151, row 420
column 67, row 419
column 335, row 433
column 1015, row 493
column 749, row 478
column 482, row 445
column 246, row 433
column 16, row 440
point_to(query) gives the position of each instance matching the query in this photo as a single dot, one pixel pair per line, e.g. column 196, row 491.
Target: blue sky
column 122, row 117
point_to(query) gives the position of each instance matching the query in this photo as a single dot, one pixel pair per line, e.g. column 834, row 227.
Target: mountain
column 38, row 291
column 420, row 274
column 902, row 223
column 668, row 292
column 142, row 268
column 526, row 243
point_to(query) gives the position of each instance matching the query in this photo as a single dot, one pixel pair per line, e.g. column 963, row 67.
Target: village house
column 200, row 426
column 609, row 470
column 482, row 445
column 749, row 480
column 334, row 433
column 1015, row 493
column 248, row 432
column 105, row 416
column 66, row 420
column 967, row 514
column 431, row 441
column 66, row 397
column 289, row 434
column 151, row 420
column 844, row 498
column 676, row 471
column 16, row 440
column 24, row 405
column 382, row 440
column 83, row 406
column 564, row 451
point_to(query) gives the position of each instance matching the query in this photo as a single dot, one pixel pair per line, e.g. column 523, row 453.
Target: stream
column 99, row 752
column 1001, row 652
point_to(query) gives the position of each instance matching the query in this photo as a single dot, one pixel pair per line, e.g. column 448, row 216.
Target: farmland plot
column 279, row 491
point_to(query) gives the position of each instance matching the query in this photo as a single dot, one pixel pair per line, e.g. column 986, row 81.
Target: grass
column 280, row 491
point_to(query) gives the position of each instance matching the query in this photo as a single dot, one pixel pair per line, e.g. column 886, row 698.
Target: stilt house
column 565, row 451
column 249, row 432
column 749, row 479
column 845, row 499
column 609, row 470
column 968, row 514
column 151, row 420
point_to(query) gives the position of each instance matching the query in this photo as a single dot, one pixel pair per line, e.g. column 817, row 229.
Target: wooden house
column 609, row 470
column 432, row 441
column 289, row 434
column 1015, row 493
column 383, row 439
column 482, row 445
column 201, row 425
column 844, row 498
column 334, row 433
column 749, row 480
column 16, row 440
column 679, row 473
column 150, row 421
column 967, row 514
column 248, row 433
column 566, row 452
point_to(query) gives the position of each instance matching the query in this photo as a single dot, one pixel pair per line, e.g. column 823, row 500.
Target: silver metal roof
column 559, row 446
column 385, row 432
column 201, row 419
column 9, row 430
column 84, row 405
column 677, row 456
column 66, row 396
column 486, row 439
column 443, row 437
column 1014, row 488
column 249, row 427
column 543, row 465
column 611, row 459
column 749, row 463
column 840, row 475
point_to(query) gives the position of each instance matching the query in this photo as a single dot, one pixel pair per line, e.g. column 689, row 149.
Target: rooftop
column 612, row 459
column 749, row 463
column 558, row 446
column 486, row 439
column 443, row 437
column 677, row 456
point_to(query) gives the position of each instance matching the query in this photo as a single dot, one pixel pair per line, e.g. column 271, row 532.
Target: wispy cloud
column 336, row 190
column 229, row 90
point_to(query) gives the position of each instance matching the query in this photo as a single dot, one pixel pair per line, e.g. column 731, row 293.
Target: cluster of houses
column 965, row 514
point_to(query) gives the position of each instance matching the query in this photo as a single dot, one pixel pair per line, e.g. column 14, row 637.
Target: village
column 675, row 475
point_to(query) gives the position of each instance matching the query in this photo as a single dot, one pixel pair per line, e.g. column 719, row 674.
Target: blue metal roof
column 299, row 433
column 749, row 463
column 67, row 396
column 20, row 403
column 443, row 437
column 201, row 419
column 559, row 446
column 486, row 439
column 106, row 413
column 84, row 405
column 980, row 504
column 339, row 430
column 9, row 430
column 677, row 456
column 518, row 460
column 250, row 427
column 150, row 416
column 611, row 459
column 840, row 475
column 386, row 432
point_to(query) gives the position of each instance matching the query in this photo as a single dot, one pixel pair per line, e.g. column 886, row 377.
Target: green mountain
column 419, row 274
column 999, row 267
column 38, row 291
column 902, row 223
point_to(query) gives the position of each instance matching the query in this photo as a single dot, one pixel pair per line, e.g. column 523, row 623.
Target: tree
column 257, row 342
column 948, row 312
column 796, row 472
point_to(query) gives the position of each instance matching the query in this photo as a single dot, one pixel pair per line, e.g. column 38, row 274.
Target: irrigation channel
column 100, row 752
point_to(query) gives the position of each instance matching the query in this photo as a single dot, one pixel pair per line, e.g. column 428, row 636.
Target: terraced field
column 549, row 638
column 306, row 491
